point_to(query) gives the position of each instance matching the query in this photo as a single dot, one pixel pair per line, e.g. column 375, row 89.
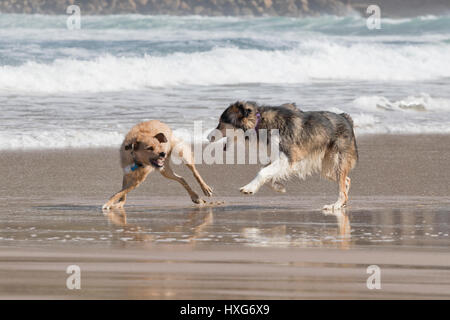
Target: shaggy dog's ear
column 292, row 106
column 161, row 137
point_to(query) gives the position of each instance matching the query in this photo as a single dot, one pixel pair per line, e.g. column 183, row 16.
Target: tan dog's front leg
column 207, row 190
column 182, row 150
column 188, row 159
column 127, row 181
column 169, row 174
column 130, row 181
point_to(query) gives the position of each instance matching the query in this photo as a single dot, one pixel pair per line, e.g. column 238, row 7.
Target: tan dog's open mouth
column 158, row 163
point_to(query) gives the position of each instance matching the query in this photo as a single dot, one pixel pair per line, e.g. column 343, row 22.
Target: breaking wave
column 311, row 61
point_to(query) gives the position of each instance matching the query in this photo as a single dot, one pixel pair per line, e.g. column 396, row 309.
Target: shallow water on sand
column 278, row 248
column 283, row 222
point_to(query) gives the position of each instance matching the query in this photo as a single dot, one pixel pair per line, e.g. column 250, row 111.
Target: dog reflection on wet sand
column 198, row 220
column 343, row 221
column 283, row 236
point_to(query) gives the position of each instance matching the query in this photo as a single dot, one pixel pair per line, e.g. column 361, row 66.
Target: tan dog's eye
column 150, row 148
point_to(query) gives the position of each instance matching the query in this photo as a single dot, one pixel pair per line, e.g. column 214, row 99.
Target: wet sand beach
column 267, row 246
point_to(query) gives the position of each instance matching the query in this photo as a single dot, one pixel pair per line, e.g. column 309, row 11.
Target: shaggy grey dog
column 309, row 142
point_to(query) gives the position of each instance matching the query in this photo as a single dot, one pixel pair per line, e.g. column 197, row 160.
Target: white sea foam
column 421, row 103
column 57, row 139
column 311, row 61
column 421, row 114
column 86, row 88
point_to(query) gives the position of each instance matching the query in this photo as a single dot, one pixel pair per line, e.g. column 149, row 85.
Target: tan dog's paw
column 107, row 206
column 207, row 190
column 214, row 203
column 112, row 205
column 206, row 204
column 199, row 201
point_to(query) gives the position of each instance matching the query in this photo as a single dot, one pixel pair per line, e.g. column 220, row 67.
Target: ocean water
column 86, row 88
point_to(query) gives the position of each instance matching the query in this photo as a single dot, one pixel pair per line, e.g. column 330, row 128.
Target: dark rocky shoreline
column 294, row 8
column 181, row 7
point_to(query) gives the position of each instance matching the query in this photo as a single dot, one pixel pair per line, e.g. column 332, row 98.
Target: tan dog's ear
column 161, row 137
column 133, row 145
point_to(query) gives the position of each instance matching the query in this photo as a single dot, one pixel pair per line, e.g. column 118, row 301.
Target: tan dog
column 146, row 148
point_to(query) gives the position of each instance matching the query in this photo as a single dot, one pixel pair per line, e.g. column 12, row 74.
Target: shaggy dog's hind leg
column 344, row 187
column 348, row 183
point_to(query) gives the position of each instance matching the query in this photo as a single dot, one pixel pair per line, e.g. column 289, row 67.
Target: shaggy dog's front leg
column 277, row 169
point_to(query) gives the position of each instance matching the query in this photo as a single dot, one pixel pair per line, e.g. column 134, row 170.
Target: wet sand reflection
column 268, row 224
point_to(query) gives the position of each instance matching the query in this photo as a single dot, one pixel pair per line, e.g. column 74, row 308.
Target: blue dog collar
column 131, row 168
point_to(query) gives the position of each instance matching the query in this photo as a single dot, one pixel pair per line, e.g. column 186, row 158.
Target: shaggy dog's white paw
column 250, row 188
